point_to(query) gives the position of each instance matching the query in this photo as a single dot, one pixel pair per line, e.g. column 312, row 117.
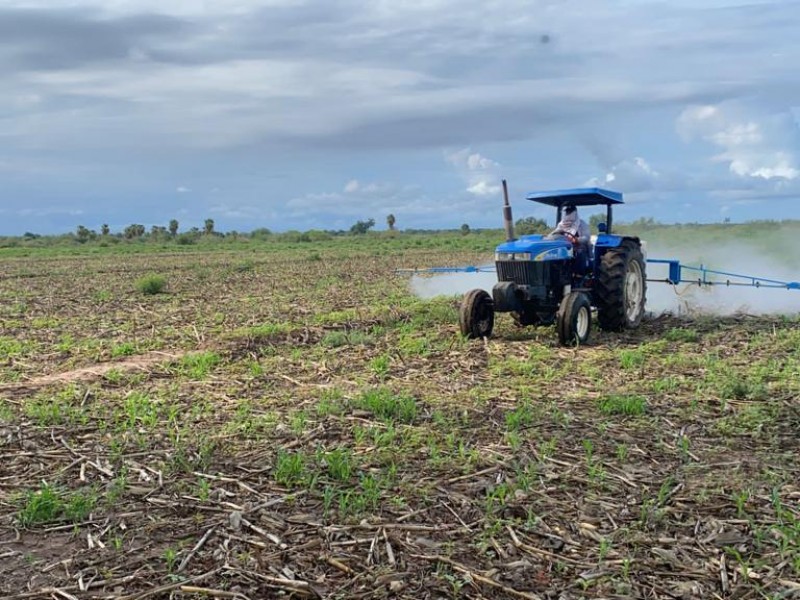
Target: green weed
column 751, row 419
column 198, row 365
column 380, row 366
column 123, row 349
column 736, row 388
column 10, row 347
column 290, row 469
column 50, row 504
column 151, row 284
column 339, row 463
column 388, row 406
column 631, row 359
column 336, row 339
column 622, row 405
column 680, row 334
column 520, row 418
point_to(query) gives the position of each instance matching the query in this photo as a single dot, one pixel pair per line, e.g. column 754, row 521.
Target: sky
column 292, row 114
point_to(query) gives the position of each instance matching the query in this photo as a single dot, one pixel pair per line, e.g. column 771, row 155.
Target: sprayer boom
column 675, row 275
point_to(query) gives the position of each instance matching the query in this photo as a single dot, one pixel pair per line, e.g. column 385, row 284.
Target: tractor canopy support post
column 608, row 218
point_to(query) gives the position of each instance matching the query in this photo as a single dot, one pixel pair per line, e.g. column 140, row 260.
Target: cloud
column 412, row 205
column 182, row 189
column 762, row 146
column 630, row 176
column 354, row 186
column 123, row 97
column 59, row 38
column 47, row 211
column 243, row 212
column 357, row 200
column 345, row 75
column 479, row 172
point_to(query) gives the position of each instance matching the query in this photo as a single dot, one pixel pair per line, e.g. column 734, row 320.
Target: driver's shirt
column 579, row 229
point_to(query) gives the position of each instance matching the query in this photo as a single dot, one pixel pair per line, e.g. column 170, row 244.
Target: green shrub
column 151, row 284
column 185, row 239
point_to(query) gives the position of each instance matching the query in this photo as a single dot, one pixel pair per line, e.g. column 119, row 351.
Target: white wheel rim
column 582, row 323
column 633, row 291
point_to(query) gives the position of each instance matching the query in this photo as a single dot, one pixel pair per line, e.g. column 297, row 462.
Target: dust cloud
column 685, row 299
column 452, row 284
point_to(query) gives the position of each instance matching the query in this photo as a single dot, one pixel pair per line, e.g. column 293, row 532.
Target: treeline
column 172, row 234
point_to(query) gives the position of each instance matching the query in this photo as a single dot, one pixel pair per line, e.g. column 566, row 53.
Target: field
column 289, row 420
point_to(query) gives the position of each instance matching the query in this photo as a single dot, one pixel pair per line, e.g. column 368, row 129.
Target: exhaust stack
column 508, row 220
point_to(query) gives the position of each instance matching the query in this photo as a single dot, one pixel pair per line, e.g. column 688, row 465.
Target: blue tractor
column 555, row 278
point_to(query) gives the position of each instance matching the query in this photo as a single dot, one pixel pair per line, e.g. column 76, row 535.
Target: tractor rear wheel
column 621, row 287
column 477, row 314
column 574, row 319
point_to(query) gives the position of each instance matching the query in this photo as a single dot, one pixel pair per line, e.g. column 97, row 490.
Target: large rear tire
column 621, row 289
column 574, row 319
column 477, row 314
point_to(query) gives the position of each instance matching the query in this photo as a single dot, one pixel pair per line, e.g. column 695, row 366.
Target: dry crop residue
column 327, row 435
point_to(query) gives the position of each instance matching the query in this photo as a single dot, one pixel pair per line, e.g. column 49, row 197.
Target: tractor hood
column 534, row 247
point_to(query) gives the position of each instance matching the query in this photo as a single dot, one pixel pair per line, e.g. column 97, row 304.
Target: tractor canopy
column 577, row 197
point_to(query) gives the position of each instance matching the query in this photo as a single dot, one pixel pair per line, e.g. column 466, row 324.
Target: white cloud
column 628, row 176
column 410, row 204
column 48, row 211
column 354, row 186
column 763, row 146
column 182, row 189
column 357, row 199
column 243, row 212
column 479, row 172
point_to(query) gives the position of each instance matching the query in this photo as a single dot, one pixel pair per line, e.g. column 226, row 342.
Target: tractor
column 549, row 279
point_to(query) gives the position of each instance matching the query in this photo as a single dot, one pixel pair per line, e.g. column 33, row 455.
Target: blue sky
column 299, row 114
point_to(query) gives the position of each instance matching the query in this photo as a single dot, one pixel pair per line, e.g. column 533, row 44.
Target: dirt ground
column 250, row 434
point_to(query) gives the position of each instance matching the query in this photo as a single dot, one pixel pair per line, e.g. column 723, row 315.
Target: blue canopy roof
column 577, row 197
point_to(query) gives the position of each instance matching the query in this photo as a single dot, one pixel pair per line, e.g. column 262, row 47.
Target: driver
column 577, row 233
column 573, row 227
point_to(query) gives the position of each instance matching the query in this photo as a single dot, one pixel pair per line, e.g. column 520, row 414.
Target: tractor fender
column 606, row 240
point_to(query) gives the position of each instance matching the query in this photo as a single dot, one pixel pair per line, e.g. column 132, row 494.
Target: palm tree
column 390, row 221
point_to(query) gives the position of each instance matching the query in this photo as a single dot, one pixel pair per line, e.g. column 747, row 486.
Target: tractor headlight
column 512, row 256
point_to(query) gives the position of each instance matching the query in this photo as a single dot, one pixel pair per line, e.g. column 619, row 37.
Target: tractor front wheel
column 574, row 319
column 477, row 314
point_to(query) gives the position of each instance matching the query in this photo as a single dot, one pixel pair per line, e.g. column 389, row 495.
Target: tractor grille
column 521, row 272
